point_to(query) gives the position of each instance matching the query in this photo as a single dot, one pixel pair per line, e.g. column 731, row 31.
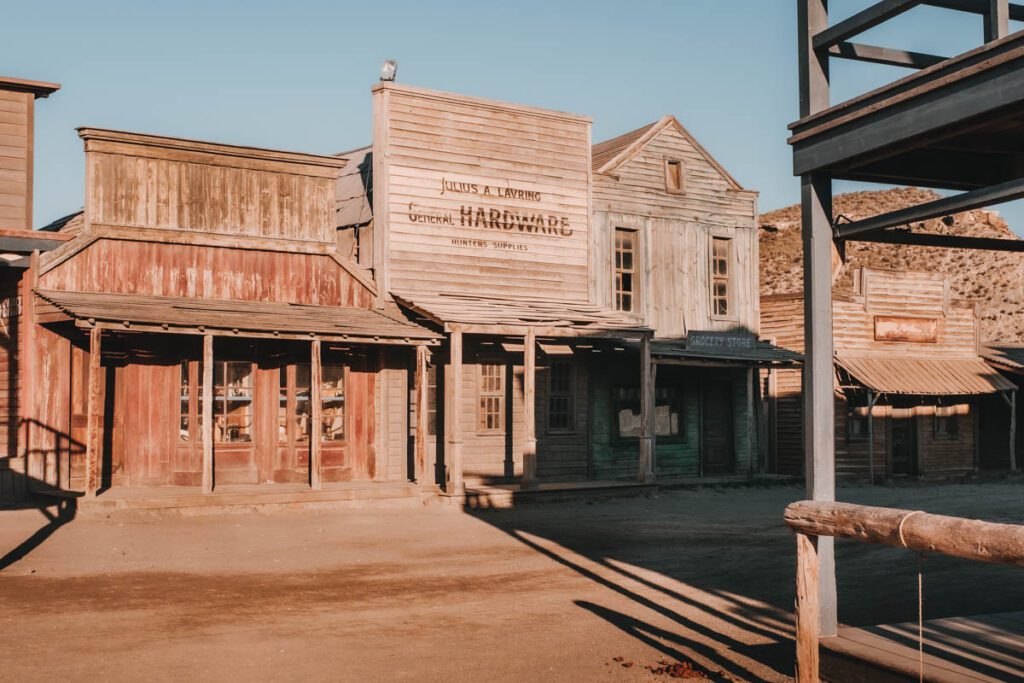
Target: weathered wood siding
column 16, row 122
column 675, row 233
column 150, row 181
column 479, row 196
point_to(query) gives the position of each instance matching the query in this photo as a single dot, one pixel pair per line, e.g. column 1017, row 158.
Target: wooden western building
column 913, row 394
column 479, row 297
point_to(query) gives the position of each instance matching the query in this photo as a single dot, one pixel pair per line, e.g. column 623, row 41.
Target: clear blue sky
column 296, row 75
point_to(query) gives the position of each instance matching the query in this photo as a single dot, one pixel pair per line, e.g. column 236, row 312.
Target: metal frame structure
column 956, row 124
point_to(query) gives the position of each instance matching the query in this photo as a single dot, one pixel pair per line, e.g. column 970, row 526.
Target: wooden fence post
column 807, row 608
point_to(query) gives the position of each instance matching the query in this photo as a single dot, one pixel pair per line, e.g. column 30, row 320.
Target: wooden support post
column 871, row 436
column 645, row 474
column 529, row 480
column 1014, row 465
column 207, row 408
column 752, row 446
column 420, row 444
column 316, row 417
column 94, row 416
column 807, row 610
column 997, row 20
column 453, row 416
column 816, row 218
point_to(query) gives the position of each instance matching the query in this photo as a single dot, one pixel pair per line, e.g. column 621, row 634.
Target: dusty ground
column 542, row 592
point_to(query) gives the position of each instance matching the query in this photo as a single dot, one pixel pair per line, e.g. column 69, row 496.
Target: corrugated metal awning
column 924, row 376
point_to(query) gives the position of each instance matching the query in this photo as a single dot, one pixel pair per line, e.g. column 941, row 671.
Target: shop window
column 561, row 403
column 232, row 406
column 432, row 400
column 721, row 272
column 674, row 176
column 185, row 427
column 295, row 414
column 492, row 398
column 332, row 402
column 944, row 423
column 668, row 412
column 625, row 269
column 856, row 427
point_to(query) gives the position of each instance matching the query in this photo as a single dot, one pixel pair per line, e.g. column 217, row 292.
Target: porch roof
column 924, row 376
column 760, row 353
column 483, row 314
column 242, row 318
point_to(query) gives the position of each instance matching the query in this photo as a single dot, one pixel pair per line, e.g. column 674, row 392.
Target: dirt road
column 568, row 591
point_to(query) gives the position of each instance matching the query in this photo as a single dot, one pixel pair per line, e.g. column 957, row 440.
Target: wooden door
column 718, row 453
column 902, row 444
column 149, row 404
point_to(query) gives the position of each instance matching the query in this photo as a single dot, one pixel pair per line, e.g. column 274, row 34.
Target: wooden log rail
column 914, row 530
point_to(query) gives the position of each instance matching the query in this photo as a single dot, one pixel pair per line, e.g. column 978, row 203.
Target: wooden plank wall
column 148, row 181
column 16, row 146
column 477, row 196
column 675, row 232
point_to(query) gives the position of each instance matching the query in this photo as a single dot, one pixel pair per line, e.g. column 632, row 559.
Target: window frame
column 498, row 395
column 341, row 363
column 851, row 418
column 569, row 393
column 714, row 279
column 952, row 430
column 677, row 399
column 671, row 162
column 617, row 271
column 221, row 403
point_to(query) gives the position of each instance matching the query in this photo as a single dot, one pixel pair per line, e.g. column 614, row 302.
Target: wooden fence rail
column 921, row 532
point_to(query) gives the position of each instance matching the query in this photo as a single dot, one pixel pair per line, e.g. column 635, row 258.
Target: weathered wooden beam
column 94, row 416
column 997, row 20
column 421, row 473
column 529, row 480
column 315, row 416
column 206, row 424
column 867, row 18
column 884, row 55
column 27, row 244
column 970, row 539
column 645, row 472
column 1016, row 12
column 808, row 613
column 922, row 239
column 453, row 416
column 965, row 201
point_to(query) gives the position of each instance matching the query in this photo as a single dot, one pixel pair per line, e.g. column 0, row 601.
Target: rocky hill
column 994, row 279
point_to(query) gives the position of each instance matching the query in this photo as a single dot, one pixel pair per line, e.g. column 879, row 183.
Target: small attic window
column 674, row 176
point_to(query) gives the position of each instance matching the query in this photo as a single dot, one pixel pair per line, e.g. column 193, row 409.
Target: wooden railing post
column 807, row 609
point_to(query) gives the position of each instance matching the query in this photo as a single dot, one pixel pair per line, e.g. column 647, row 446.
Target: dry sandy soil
column 568, row 591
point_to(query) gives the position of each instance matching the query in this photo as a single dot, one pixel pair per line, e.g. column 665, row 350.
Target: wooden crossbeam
column 884, row 55
column 921, row 239
column 868, row 18
column 975, row 199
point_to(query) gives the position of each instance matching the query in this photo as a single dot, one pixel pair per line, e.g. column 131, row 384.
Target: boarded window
column 232, row 401
column 492, row 398
column 625, row 269
column 561, row 398
column 721, row 272
column 674, row 176
column 668, row 412
column 332, row 402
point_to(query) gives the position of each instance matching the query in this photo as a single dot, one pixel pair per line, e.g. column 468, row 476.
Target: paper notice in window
column 663, row 422
column 629, row 423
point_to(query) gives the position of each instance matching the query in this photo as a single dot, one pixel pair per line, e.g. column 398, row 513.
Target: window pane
column 183, row 432
column 492, row 397
column 332, row 401
column 432, row 400
column 232, row 390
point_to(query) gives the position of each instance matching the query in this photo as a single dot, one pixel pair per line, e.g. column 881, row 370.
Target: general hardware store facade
column 450, row 305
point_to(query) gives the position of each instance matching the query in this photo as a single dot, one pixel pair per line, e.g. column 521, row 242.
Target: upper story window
column 721, row 277
column 625, row 269
column 674, row 178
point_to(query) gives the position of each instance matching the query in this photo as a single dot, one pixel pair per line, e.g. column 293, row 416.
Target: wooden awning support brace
column 1011, row 400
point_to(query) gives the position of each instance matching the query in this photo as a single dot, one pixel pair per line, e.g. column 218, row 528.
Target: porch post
column 645, row 475
column 453, row 415
column 752, row 441
column 94, row 416
column 1013, row 431
column 315, row 417
column 529, row 480
column 207, row 408
column 420, row 393
column 871, row 436
column 816, row 227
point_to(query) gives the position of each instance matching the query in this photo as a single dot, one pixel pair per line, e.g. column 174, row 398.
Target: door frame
column 890, row 443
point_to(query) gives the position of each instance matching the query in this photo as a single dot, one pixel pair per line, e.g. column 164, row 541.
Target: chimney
column 17, row 106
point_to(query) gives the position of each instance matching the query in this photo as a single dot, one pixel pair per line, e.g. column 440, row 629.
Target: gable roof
column 609, row 155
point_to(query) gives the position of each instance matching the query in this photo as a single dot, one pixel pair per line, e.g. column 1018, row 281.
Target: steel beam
column 861, row 21
column 922, row 239
column 884, row 55
column 975, row 199
column 1015, row 12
